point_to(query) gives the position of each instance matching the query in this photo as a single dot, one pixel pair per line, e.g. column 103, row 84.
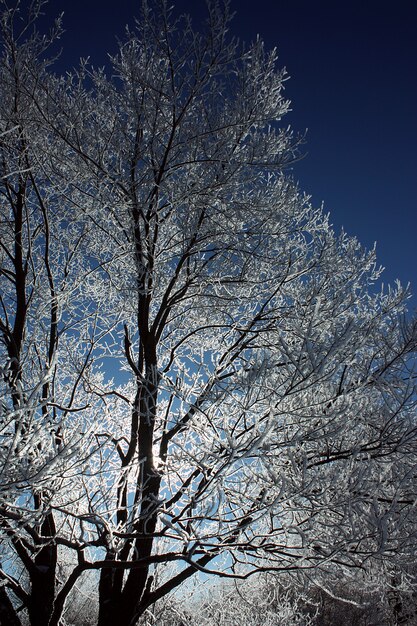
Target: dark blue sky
column 353, row 86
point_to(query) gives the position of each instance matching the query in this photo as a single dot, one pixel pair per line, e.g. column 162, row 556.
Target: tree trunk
column 8, row 615
column 122, row 604
column 43, row 578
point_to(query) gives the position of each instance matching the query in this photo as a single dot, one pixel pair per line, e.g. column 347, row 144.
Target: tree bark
column 43, row 577
column 8, row 615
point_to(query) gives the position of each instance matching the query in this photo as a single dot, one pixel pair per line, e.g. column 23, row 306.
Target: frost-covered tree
column 197, row 372
column 258, row 600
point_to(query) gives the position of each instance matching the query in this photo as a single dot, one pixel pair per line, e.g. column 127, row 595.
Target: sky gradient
column 353, row 87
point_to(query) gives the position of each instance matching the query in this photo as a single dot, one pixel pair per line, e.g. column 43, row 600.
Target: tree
column 196, row 369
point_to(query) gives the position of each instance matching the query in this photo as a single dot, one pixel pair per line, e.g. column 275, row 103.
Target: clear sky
column 353, row 85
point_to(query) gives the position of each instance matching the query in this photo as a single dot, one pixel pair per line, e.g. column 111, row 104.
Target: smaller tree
column 263, row 599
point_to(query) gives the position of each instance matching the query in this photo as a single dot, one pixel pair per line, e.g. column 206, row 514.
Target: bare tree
column 197, row 370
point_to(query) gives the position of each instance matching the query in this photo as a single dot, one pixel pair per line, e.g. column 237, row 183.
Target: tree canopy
column 196, row 369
